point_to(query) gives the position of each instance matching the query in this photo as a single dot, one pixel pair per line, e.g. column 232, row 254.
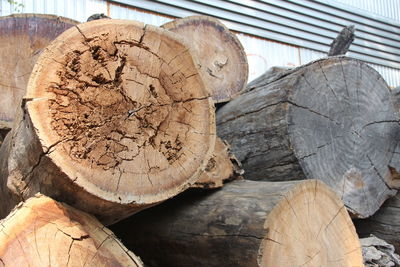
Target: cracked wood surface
column 220, row 55
column 385, row 223
column 246, row 223
column 116, row 119
column 23, row 37
column 332, row 119
column 43, row 232
column 221, row 168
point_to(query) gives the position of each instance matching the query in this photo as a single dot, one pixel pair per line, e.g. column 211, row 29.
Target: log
column 221, row 168
column 42, row 232
column 116, row 119
column 220, row 55
column 331, row 119
column 385, row 223
column 340, row 45
column 271, row 75
column 378, row 253
column 246, row 223
column 23, row 37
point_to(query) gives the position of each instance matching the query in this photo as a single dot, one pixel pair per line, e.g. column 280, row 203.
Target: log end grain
column 220, row 55
column 23, row 37
column 43, row 232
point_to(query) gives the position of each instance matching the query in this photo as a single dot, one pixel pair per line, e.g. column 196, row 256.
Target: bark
column 97, row 16
column 23, row 37
column 220, row 55
column 221, row 168
column 106, row 126
column 385, row 224
column 42, row 232
column 332, row 119
column 246, row 223
column 340, row 45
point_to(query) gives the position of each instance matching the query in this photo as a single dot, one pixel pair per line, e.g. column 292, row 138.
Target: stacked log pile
column 119, row 116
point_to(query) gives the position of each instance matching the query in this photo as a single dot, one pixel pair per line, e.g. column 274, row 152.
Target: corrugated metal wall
column 385, row 8
column 262, row 53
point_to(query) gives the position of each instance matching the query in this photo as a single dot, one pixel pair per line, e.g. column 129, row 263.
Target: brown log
column 331, row 120
column 116, row 119
column 42, row 232
column 246, row 223
column 221, row 168
column 220, row 55
column 23, row 37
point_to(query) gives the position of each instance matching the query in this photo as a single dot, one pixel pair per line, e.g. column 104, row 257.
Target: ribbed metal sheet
column 78, row 10
column 385, row 8
column 304, row 23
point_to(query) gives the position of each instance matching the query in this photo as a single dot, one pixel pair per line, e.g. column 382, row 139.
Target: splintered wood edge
column 17, row 227
column 48, row 142
column 241, row 55
column 310, row 226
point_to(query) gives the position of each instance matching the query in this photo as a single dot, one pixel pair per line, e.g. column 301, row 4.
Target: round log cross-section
column 116, row 118
column 220, row 55
column 246, row 223
column 42, row 232
column 332, row 119
column 22, row 38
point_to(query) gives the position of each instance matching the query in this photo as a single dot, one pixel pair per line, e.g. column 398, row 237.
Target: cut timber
column 271, row 75
column 222, row 60
column 247, row 223
column 22, row 38
column 42, row 232
column 331, row 120
column 222, row 167
column 384, row 224
column 116, row 119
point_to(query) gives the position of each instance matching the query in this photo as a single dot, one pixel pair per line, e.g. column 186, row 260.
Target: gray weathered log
column 331, row 120
column 246, row 223
column 271, row 75
column 384, row 224
column 340, row 45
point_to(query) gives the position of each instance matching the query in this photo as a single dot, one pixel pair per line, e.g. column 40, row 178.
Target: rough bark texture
column 271, row 75
column 42, row 232
column 378, row 253
column 340, row 45
column 97, row 16
column 220, row 55
column 384, row 224
column 222, row 167
column 247, row 223
column 116, row 119
column 23, row 37
column 332, row 119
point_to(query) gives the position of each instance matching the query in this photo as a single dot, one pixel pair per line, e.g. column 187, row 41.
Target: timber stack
column 112, row 123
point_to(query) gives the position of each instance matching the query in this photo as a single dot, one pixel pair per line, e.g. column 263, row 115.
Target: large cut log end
column 332, row 119
column 43, row 232
column 117, row 113
column 247, row 223
column 220, row 55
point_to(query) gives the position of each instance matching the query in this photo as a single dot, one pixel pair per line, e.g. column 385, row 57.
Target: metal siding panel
column 121, row 12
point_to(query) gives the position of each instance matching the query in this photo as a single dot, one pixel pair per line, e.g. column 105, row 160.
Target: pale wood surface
column 116, row 119
column 246, row 223
column 221, row 57
column 42, row 232
column 22, row 38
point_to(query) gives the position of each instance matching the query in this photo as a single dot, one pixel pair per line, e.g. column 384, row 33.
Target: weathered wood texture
column 246, row 223
column 220, row 55
column 22, row 38
column 116, row 119
column 42, row 232
column 340, row 45
column 331, row 120
column 385, row 223
column 271, row 75
column 221, row 168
